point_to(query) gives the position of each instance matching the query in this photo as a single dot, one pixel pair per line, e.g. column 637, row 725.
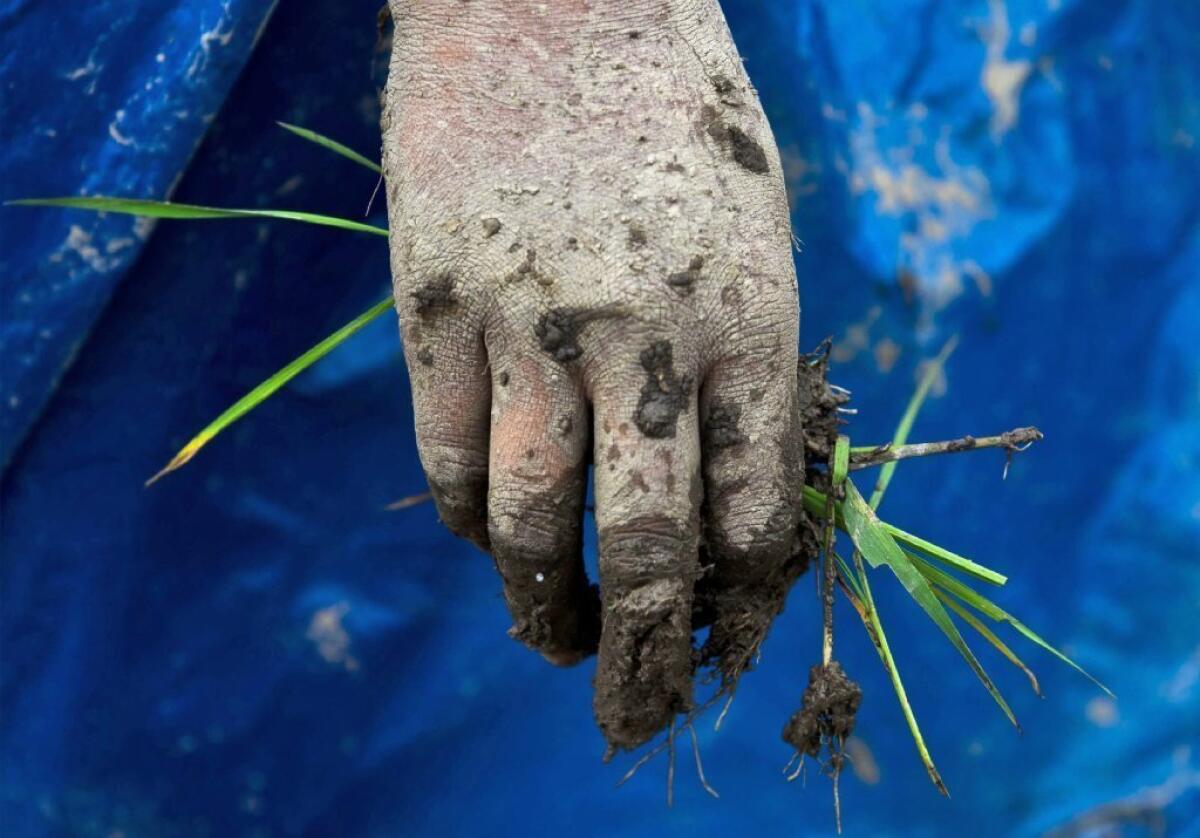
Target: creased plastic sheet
column 254, row 646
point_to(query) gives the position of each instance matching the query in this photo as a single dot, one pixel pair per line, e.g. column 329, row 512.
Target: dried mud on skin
column 664, row 395
column 435, row 297
column 638, row 698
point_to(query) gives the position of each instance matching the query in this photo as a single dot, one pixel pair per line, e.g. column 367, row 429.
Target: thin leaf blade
column 331, row 145
column 864, row 606
column 169, row 210
column 841, row 460
column 269, row 387
column 945, row 556
column 990, row 636
column 877, row 547
column 989, row 609
column 814, row 504
column 910, row 416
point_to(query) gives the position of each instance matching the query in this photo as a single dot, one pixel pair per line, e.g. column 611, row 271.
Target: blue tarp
column 254, row 646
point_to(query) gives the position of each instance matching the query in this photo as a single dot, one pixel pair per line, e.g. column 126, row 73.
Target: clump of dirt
column 818, row 404
column 557, row 332
column 528, row 269
column 664, row 395
column 642, row 682
column 685, row 281
column 742, row 615
column 744, row 149
column 826, row 715
column 435, row 297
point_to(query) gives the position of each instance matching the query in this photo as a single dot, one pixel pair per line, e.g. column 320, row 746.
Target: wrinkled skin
column 591, row 256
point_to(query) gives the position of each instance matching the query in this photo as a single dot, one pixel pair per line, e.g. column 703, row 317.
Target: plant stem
column 1017, row 439
column 827, row 592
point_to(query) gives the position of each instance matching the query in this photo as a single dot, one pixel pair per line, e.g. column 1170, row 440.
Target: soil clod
column 491, row 226
column 557, row 332
column 818, row 404
column 684, row 281
column 827, row 713
column 664, row 395
column 644, row 677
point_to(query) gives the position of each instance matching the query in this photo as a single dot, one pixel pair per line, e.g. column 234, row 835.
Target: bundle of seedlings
column 939, row 581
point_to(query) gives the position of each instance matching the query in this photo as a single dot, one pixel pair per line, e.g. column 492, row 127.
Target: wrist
column 509, row 18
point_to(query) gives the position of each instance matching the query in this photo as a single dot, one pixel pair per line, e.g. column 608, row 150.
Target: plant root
column 825, row 720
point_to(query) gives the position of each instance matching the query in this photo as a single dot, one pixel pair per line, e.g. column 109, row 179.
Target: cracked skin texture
column 561, row 162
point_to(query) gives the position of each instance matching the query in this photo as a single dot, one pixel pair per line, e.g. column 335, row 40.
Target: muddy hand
column 591, row 257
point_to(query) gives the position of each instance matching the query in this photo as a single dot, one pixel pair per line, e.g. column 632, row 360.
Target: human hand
column 591, row 256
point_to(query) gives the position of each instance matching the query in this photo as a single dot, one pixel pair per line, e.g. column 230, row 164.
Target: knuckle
column 535, row 521
column 458, row 481
column 647, row 548
column 531, row 536
column 755, row 532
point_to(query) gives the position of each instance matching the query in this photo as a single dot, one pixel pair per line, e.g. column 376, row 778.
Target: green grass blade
column 959, row 588
column 989, row 609
column 814, row 504
column 269, row 387
column 941, row 554
column 990, row 636
column 877, row 547
column 166, row 209
column 841, row 460
column 332, row 145
column 910, row 416
column 864, row 606
column 846, row 572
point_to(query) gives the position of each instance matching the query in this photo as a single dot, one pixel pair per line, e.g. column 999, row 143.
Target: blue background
column 254, row 646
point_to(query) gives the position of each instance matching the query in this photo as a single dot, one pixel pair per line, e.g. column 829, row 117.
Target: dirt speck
column 491, row 226
column 528, row 266
column 722, row 85
column 425, row 356
column 435, row 297
column 503, row 379
column 685, row 281
column 721, row 429
column 636, row 238
column 664, row 395
column 744, row 149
